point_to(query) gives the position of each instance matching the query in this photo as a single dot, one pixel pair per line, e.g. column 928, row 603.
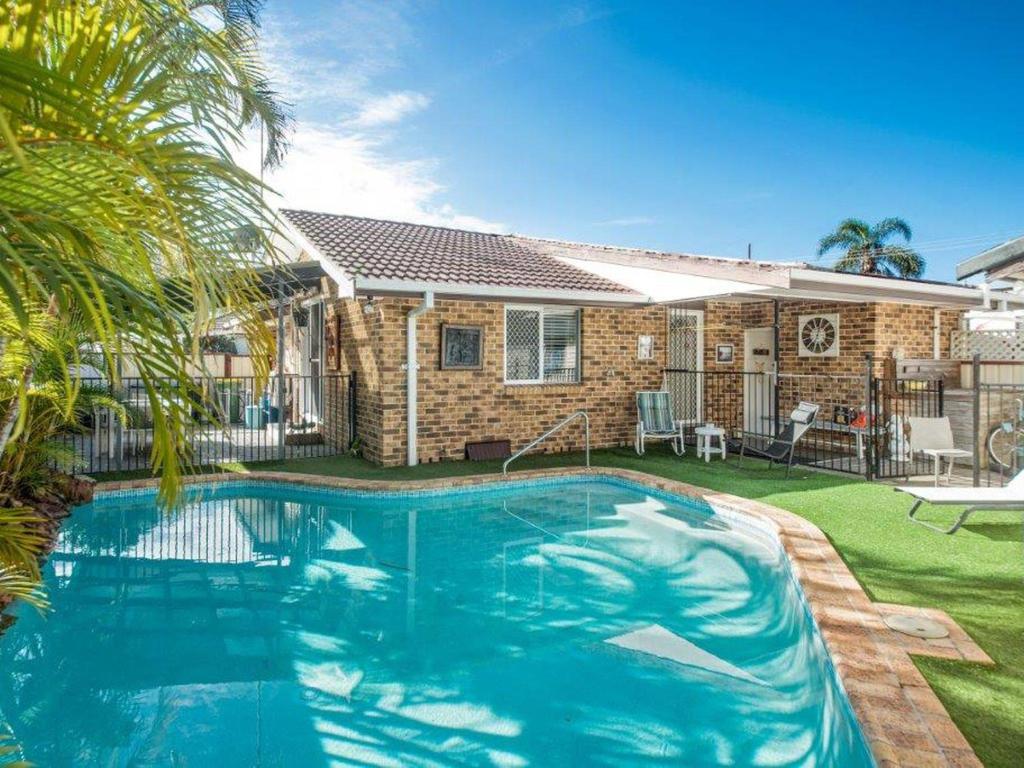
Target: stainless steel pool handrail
column 549, row 433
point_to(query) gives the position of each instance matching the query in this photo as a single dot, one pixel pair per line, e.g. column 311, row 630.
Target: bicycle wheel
column 1001, row 445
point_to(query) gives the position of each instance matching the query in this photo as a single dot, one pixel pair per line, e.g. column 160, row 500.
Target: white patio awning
column 663, row 286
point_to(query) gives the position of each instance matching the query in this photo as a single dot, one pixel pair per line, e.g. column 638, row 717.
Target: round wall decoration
column 818, row 336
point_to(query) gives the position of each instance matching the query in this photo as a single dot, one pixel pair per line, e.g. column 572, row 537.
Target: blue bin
column 270, row 414
column 255, row 417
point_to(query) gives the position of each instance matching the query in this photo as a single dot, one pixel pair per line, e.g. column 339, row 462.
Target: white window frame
column 541, row 309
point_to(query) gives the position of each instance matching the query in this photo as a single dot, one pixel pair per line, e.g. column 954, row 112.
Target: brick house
column 508, row 334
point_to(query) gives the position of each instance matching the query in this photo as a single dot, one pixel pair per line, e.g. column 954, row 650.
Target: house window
column 542, row 345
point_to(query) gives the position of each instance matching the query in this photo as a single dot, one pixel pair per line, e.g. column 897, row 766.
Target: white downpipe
column 412, row 367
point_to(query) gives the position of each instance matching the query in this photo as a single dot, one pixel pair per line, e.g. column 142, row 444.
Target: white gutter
column 374, row 286
column 412, row 367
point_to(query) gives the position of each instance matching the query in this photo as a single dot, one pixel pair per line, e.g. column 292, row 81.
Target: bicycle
column 1006, row 441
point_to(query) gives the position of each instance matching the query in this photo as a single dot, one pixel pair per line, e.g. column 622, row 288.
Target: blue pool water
column 555, row 623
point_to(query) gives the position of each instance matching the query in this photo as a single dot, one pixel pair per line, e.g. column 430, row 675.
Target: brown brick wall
column 361, row 351
column 456, row 407
column 863, row 328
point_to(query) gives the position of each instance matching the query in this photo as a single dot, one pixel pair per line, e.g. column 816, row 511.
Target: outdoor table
column 704, row 435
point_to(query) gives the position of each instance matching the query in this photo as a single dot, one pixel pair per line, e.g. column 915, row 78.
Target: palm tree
column 868, row 250
column 120, row 202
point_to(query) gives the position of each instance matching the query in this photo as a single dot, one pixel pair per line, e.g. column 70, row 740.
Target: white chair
column 934, row 437
column 1010, row 496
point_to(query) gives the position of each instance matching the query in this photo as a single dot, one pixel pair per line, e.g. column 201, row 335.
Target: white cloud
column 626, row 221
column 341, row 159
column 390, row 108
column 349, row 172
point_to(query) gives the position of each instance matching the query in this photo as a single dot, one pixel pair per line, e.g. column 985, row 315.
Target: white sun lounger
column 1010, row 496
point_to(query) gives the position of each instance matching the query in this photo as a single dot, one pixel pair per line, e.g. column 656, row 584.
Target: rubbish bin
column 255, row 417
column 271, row 414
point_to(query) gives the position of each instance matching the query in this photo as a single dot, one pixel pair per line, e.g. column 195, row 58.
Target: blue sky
column 677, row 126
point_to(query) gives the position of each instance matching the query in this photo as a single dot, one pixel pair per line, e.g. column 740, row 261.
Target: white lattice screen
column 990, row 345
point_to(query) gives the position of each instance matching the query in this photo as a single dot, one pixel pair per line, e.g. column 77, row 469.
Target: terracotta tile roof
column 372, row 248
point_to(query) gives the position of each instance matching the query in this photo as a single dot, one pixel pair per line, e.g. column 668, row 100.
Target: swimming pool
column 568, row 621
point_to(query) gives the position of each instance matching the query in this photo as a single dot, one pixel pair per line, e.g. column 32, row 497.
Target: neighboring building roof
column 1003, row 262
column 391, row 250
column 773, row 273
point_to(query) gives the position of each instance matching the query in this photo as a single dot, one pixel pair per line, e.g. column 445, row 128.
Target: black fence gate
column 895, row 402
column 862, row 422
column 232, row 420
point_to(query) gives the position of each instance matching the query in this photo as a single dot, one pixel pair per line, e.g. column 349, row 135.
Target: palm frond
column 886, row 228
column 19, row 585
column 22, row 541
column 867, row 251
column 118, row 120
column 852, row 261
column 904, row 262
column 850, row 233
column 11, row 752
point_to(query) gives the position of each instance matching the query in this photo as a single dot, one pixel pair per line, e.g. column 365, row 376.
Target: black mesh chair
column 782, row 446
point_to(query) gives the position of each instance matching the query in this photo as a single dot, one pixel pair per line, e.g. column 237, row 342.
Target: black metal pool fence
column 861, row 428
column 229, row 419
column 861, row 424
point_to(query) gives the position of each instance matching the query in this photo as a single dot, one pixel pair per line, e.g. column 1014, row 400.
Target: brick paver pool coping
column 903, row 721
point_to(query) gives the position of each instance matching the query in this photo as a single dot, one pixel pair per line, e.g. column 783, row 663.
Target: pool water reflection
column 563, row 623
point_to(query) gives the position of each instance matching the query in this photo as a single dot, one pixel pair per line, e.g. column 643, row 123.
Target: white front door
column 758, row 384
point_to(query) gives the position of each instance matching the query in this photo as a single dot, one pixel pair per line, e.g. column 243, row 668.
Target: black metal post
column 775, row 364
column 352, row 408
column 869, row 443
column 976, row 448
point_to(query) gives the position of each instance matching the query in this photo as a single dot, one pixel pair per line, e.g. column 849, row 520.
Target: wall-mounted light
column 369, row 307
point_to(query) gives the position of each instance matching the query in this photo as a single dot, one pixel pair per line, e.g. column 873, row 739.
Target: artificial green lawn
column 977, row 575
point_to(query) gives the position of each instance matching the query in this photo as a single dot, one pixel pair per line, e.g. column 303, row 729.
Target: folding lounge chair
column 781, row 447
column 1010, row 496
column 934, row 437
column 654, row 420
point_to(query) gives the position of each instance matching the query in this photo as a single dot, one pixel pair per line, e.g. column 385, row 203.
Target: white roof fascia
column 1005, row 255
column 345, row 283
column 881, row 289
column 367, row 286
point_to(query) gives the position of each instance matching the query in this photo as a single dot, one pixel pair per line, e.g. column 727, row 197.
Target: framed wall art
column 462, row 347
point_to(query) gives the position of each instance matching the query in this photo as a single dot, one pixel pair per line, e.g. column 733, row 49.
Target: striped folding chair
column 654, row 421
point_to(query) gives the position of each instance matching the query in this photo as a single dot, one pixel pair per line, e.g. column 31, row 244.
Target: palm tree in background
column 868, row 250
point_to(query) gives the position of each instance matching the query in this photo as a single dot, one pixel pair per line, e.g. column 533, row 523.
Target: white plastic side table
column 704, row 435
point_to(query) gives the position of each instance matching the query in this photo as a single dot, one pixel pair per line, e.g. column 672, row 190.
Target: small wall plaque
column 462, row 347
column 645, row 348
column 725, row 354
